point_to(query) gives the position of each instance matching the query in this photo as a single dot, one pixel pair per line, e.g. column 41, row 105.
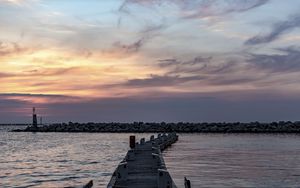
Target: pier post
column 89, row 184
column 122, row 171
column 130, row 155
column 187, row 183
column 132, row 142
column 142, row 141
column 164, row 179
column 152, row 138
column 155, row 150
column 156, row 160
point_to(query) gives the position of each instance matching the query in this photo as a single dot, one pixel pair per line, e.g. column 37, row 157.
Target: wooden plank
column 144, row 166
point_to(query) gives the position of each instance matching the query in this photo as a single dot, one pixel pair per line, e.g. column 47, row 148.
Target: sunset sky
column 150, row 60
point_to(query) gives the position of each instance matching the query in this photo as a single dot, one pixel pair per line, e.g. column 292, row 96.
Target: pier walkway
column 143, row 166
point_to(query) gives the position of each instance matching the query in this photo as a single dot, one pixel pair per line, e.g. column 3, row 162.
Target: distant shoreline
column 141, row 127
column 15, row 124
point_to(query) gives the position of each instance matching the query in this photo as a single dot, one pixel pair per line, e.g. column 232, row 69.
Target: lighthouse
column 34, row 118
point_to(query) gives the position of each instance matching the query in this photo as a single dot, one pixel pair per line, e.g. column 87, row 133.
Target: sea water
column 208, row 160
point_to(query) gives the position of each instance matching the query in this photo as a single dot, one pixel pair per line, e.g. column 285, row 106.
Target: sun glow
column 61, row 72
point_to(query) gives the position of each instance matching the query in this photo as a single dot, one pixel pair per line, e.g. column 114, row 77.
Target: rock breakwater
column 181, row 127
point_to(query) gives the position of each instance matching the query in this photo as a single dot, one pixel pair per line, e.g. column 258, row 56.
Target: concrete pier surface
column 144, row 166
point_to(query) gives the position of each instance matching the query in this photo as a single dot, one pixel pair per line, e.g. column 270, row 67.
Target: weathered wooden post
column 130, row 155
column 142, row 141
column 122, row 171
column 132, row 142
column 155, row 150
column 156, row 160
column 152, row 138
column 89, row 184
column 164, row 179
column 187, row 183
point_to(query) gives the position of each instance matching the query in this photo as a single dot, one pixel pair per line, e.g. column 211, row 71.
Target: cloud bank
column 160, row 60
column 278, row 29
column 199, row 8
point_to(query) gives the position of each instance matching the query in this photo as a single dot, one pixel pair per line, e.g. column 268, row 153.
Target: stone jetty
column 181, row 127
column 143, row 165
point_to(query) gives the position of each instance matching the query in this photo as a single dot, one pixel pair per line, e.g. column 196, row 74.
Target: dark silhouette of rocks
column 183, row 127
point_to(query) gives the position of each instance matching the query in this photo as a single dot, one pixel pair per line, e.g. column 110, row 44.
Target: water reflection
column 56, row 160
column 236, row 160
column 208, row 160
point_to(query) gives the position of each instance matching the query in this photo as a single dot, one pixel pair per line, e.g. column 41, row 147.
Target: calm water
column 209, row 160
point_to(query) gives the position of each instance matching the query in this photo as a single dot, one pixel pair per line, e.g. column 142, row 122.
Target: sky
column 150, row 60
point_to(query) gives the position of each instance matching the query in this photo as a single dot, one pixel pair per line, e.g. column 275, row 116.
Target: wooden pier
column 144, row 166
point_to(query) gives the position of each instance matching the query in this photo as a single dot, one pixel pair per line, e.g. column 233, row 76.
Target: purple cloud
column 278, row 29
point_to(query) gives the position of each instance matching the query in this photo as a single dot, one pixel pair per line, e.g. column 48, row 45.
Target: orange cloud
column 57, row 71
